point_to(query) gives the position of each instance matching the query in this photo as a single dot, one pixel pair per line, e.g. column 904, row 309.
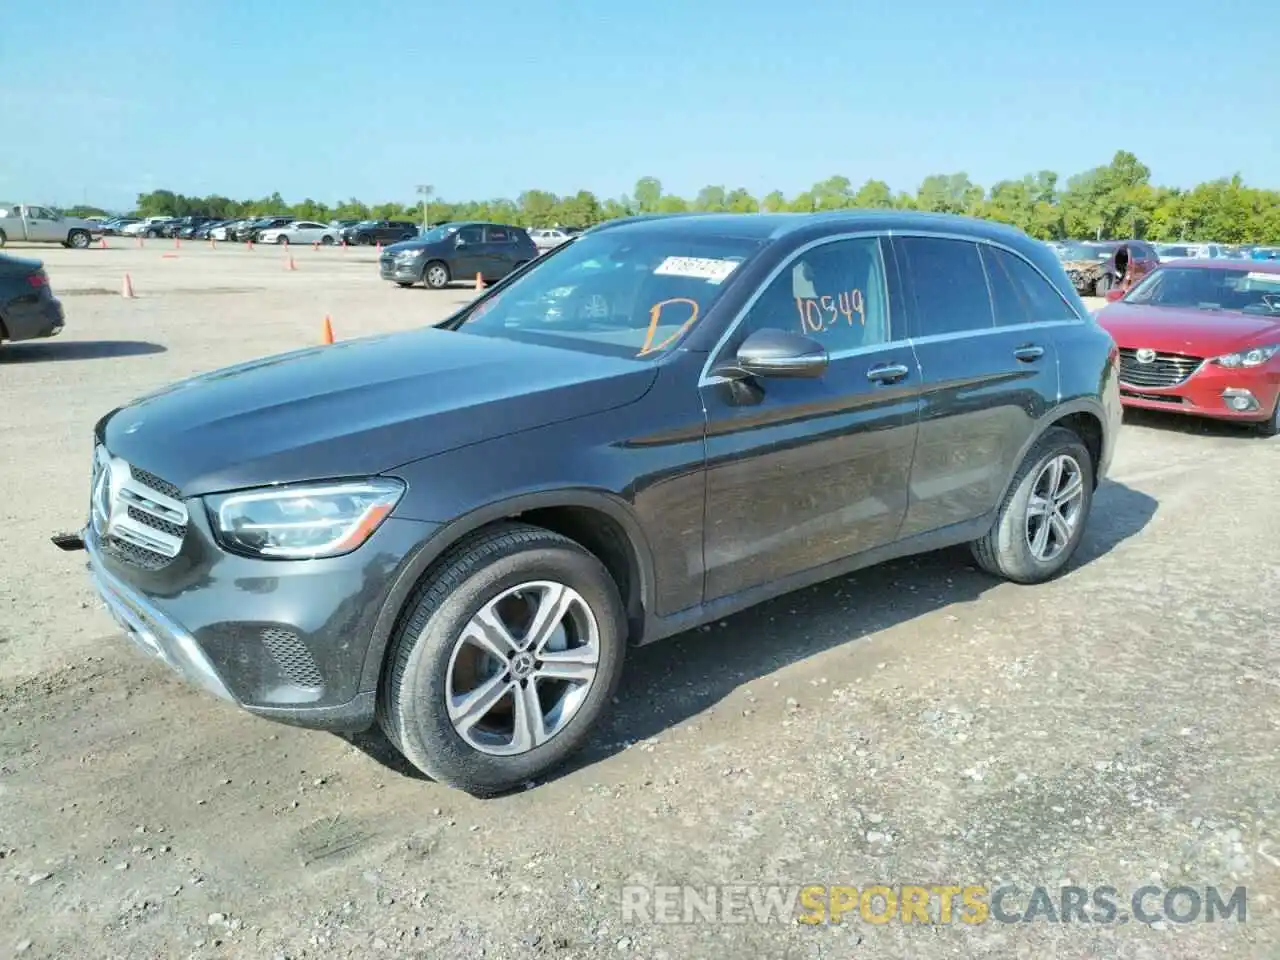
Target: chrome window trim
column 706, row 378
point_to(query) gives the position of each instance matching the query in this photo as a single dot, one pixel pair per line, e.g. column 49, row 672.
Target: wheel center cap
column 521, row 665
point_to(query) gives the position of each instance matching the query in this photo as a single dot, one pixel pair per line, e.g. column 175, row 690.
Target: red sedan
column 1201, row 337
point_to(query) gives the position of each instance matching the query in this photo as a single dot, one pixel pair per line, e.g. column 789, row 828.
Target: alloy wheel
column 437, row 276
column 1054, row 509
column 522, row 668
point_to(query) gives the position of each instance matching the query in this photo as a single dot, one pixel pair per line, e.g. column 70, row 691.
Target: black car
column 252, row 229
column 458, row 251
column 28, row 308
column 457, row 532
column 366, row 233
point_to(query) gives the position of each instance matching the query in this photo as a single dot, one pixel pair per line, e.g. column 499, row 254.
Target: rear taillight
column 38, row 280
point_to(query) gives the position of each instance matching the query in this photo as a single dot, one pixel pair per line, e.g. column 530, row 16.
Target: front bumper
column 286, row 640
column 34, row 319
column 1209, row 391
column 401, row 271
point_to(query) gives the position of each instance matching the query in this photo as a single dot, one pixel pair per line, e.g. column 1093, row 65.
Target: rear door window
column 948, row 284
column 1019, row 293
column 498, row 234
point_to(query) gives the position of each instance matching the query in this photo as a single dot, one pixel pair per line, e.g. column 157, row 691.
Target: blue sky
column 332, row 98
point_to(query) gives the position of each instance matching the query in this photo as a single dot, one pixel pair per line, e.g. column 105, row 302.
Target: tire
column 426, row 655
column 326, row 241
column 1271, row 427
column 1007, row 549
column 78, row 239
column 281, row 240
column 1102, row 285
column 364, row 240
column 436, row 275
column 3, row 239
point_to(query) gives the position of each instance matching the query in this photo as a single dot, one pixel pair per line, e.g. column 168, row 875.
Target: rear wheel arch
column 1081, row 418
column 600, row 522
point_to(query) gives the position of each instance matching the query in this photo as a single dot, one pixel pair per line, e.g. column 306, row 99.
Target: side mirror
column 1114, row 294
column 776, row 353
column 459, row 242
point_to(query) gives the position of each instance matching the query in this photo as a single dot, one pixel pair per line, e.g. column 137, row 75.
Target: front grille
column 292, row 656
column 1166, row 370
column 154, row 482
column 138, row 517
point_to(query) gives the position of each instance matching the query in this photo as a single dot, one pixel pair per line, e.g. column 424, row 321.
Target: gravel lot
column 915, row 723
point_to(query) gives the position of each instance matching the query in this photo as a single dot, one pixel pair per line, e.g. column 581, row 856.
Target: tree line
column 1114, row 201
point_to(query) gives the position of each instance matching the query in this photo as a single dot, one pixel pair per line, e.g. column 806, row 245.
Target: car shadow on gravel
column 48, row 351
column 670, row 681
column 1191, row 426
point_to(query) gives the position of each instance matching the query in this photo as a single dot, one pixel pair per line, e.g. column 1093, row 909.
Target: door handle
column 1029, row 352
column 887, row 372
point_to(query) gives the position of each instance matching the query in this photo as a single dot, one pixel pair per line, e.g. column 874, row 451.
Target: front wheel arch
column 629, row 561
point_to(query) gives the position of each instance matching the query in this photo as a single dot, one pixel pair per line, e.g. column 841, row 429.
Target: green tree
column 647, row 194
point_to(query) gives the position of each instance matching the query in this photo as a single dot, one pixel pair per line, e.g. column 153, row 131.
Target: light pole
column 425, row 190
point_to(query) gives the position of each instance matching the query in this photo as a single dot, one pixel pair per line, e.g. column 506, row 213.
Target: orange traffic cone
column 177, row 243
column 315, row 245
column 378, row 248
column 213, row 244
column 344, row 245
column 479, row 281
column 291, row 265
column 327, row 334
column 102, row 242
column 126, row 289
column 139, row 240
column 248, row 244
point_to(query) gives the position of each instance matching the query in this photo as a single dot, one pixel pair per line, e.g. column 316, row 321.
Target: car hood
column 414, row 245
column 1201, row 333
column 360, row 407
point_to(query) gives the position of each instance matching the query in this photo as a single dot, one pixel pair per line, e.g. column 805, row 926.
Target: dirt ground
column 917, row 723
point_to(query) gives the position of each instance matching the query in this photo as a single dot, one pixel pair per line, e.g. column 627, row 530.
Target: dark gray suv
column 458, row 251
column 458, row 532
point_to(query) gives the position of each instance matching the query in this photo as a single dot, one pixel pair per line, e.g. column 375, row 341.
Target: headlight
column 1253, row 357
column 408, row 254
column 316, row 520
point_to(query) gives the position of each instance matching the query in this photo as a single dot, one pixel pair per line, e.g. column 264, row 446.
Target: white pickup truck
column 26, row 222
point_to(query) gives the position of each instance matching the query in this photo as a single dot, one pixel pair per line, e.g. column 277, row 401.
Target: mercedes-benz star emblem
column 1145, row 355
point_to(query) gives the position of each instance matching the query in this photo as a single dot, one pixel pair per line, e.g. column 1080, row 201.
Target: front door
column 989, row 372
column 43, row 225
column 468, row 253
column 801, row 473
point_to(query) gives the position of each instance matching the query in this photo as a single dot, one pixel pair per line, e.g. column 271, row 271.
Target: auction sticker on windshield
column 699, row 268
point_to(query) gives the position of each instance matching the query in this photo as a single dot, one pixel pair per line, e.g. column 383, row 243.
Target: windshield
column 614, row 293
column 1079, row 251
column 439, row 233
column 1240, row 291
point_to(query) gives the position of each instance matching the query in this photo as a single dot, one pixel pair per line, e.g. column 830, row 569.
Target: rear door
column 802, row 473
column 985, row 384
column 499, row 251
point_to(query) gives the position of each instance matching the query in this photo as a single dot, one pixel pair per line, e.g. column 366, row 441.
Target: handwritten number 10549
column 822, row 313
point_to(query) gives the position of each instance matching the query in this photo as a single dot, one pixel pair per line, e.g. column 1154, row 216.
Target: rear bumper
column 34, row 320
column 1215, row 392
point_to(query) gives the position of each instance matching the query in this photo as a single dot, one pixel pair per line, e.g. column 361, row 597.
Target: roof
column 1226, row 263
column 773, row 226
